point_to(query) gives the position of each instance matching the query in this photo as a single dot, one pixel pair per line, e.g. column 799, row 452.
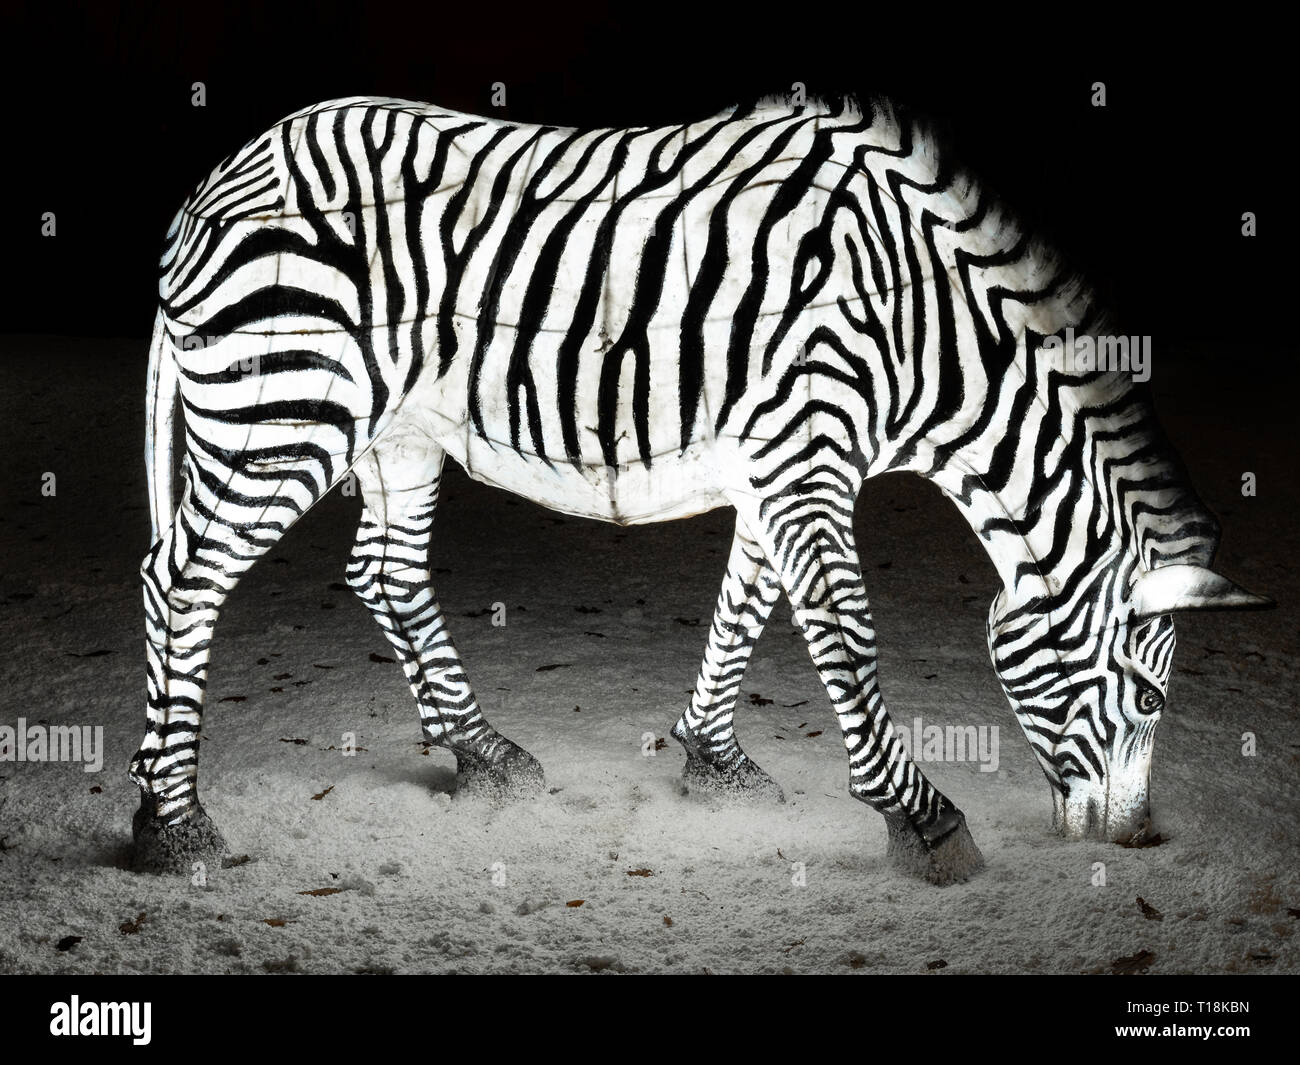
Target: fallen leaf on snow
column 130, row 928
column 1149, row 911
column 1134, row 963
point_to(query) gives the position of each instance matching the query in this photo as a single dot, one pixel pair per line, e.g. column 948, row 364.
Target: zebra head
column 1087, row 674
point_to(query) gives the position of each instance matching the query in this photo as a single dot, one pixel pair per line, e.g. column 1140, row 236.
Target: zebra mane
column 930, row 161
column 847, row 104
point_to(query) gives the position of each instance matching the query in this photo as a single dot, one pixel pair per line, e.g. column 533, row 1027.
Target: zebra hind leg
column 715, row 762
column 226, row 520
column 810, row 542
column 389, row 571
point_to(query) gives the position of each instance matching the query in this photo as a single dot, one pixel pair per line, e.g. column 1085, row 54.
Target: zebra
column 759, row 310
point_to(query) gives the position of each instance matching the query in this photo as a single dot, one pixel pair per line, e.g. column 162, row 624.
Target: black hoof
column 163, row 848
column 514, row 774
column 944, row 854
column 742, row 779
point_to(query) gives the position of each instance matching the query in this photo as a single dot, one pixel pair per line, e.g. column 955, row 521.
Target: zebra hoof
column 162, row 848
column 945, row 854
column 516, row 774
column 743, row 779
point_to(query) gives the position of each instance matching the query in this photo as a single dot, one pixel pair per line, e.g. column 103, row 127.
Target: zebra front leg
column 225, row 522
column 810, row 543
column 714, row 759
column 389, row 571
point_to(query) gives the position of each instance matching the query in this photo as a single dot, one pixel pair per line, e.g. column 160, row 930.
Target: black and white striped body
column 758, row 310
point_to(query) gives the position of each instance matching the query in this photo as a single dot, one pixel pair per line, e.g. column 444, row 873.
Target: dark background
column 1146, row 194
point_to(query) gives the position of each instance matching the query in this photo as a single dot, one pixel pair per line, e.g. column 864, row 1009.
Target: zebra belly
column 677, row 484
column 675, row 487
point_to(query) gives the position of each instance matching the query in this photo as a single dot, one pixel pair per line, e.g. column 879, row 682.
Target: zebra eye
column 1149, row 701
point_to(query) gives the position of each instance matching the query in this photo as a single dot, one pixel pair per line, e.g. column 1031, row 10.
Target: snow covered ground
column 425, row 880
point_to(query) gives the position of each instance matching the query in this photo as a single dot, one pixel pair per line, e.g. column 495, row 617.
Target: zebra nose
column 1113, row 810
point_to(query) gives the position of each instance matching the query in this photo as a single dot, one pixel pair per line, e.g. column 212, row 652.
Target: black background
column 1146, row 194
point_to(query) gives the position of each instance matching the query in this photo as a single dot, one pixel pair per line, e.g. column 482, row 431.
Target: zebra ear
column 1188, row 587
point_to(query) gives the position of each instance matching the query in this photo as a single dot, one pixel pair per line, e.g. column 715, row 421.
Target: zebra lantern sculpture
column 759, row 310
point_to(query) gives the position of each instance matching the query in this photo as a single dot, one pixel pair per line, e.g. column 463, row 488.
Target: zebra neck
column 1080, row 480
column 1015, row 534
